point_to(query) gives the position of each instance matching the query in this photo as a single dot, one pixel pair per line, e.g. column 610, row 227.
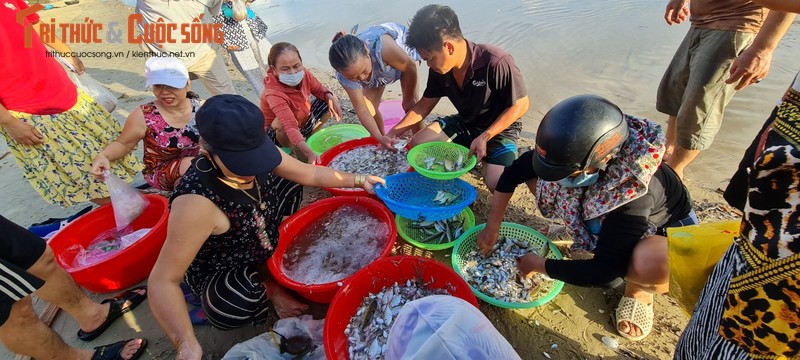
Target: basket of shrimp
column 494, row 278
column 441, row 160
column 416, row 197
column 435, row 235
column 360, row 318
column 364, row 156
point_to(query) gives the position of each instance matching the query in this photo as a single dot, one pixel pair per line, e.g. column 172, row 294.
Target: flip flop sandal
column 635, row 313
column 198, row 317
column 120, row 305
column 114, row 351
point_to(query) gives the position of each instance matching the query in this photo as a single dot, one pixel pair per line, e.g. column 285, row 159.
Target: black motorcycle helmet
column 577, row 133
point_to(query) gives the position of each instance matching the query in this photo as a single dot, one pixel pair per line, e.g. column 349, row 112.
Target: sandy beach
column 569, row 327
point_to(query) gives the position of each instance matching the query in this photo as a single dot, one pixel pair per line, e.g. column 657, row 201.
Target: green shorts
column 693, row 88
column 500, row 150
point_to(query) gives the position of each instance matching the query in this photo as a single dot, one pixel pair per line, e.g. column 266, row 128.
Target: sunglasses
column 298, row 345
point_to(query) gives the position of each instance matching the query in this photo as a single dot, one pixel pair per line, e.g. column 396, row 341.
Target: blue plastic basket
column 411, row 195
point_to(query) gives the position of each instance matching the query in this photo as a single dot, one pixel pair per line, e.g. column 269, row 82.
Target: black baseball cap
column 234, row 127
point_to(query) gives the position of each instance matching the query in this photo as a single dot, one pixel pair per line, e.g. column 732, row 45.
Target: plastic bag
column 693, row 252
column 445, row 327
column 102, row 247
column 127, row 202
column 264, row 347
column 95, row 90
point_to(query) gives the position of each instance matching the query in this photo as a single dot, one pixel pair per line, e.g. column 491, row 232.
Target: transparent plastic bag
column 445, row 327
column 126, row 201
column 693, row 252
column 95, row 90
column 264, row 347
column 102, row 247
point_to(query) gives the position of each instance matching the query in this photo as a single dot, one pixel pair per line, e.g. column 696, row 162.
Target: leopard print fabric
column 762, row 307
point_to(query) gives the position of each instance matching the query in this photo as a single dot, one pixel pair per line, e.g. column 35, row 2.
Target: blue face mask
column 582, row 180
column 291, row 79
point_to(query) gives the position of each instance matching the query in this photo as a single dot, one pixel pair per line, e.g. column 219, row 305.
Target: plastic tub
column 411, row 195
column 373, row 278
column 467, row 242
column 333, row 135
column 392, row 112
column 415, row 236
column 333, row 152
column 125, row 268
column 291, row 227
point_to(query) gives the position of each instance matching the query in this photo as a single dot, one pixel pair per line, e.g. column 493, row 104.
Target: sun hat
column 234, row 127
column 165, row 71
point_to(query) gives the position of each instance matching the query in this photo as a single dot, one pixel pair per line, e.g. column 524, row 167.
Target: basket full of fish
column 364, row 156
column 360, row 318
column 441, row 160
column 435, row 235
column 494, row 278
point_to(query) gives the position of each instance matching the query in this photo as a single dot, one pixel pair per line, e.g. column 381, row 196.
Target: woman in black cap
column 224, row 221
column 601, row 172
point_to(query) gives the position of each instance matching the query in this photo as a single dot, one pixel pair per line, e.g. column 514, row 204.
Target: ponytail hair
column 345, row 50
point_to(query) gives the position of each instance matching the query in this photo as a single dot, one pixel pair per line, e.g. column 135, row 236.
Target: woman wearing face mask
column 601, row 172
column 290, row 114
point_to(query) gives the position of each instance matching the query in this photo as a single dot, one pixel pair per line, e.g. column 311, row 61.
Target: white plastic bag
column 95, row 90
column 263, row 347
column 443, row 327
column 127, row 202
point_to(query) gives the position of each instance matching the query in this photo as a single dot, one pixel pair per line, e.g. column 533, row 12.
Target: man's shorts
column 500, row 150
column 19, row 250
column 693, row 88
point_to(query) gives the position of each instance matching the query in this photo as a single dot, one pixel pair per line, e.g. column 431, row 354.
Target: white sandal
column 635, row 313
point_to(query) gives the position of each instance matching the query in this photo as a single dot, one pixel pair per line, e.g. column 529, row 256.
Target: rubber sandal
column 635, row 313
column 198, row 317
column 189, row 296
column 120, row 304
column 114, row 351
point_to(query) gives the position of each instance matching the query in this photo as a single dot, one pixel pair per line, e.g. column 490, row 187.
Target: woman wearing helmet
column 601, row 172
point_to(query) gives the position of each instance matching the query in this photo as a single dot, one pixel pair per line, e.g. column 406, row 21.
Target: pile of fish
column 371, row 160
column 439, row 232
column 337, row 245
column 368, row 331
column 444, row 165
column 444, row 198
column 496, row 275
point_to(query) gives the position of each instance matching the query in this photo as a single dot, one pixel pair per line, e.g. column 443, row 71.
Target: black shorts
column 500, row 150
column 19, row 250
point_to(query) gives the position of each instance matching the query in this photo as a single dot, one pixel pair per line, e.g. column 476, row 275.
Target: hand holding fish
column 487, row 239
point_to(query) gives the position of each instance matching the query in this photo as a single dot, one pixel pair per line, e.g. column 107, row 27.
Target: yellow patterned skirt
column 59, row 169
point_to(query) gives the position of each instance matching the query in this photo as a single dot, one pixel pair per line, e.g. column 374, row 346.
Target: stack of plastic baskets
column 433, row 193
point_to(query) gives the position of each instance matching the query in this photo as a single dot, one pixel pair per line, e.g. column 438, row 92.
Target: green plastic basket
column 467, row 242
column 333, row 135
column 411, row 235
column 441, row 151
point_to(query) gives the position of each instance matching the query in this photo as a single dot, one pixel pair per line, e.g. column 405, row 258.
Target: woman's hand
column 333, row 107
column 311, row 157
column 371, row 181
column 24, row 133
column 487, row 238
column 529, row 263
column 99, row 165
column 388, row 142
column 189, row 351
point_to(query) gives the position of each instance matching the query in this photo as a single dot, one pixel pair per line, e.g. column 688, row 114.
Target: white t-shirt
column 179, row 12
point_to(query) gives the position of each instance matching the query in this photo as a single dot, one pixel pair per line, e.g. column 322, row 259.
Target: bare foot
column 629, row 328
column 285, row 304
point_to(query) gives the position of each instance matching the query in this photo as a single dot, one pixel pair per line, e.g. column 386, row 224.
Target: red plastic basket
column 125, row 268
column 331, row 154
column 323, row 293
column 373, row 278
